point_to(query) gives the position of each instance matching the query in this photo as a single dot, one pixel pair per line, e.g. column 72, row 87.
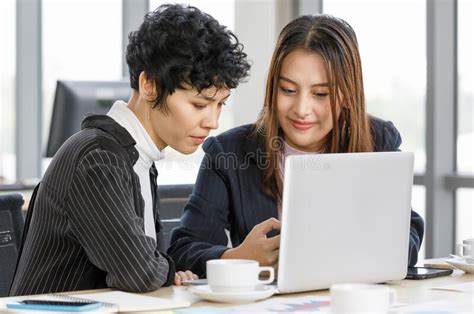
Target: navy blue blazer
column 228, row 195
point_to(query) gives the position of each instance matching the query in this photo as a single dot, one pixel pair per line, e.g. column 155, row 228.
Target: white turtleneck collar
column 127, row 119
column 148, row 153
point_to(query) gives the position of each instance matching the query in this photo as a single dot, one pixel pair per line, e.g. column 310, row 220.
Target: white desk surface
column 408, row 291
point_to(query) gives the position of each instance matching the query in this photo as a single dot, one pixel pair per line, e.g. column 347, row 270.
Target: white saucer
column 260, row 293
column 461, row 264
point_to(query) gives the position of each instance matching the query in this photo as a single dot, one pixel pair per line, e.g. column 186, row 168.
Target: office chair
column 172, row 200
column 11, row 229
column 164, row 237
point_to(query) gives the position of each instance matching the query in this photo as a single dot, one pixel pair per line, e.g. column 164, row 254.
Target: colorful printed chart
column 274, row 305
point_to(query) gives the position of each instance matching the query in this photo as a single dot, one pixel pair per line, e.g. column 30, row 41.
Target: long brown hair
column 335, row 41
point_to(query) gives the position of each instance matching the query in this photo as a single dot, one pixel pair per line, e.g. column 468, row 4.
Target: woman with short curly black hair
column 93, row 220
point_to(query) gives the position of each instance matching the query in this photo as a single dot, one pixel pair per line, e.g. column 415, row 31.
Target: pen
column 439, row 265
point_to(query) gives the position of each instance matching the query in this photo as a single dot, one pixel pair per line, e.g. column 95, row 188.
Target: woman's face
column 190, row 118
column 304, row 111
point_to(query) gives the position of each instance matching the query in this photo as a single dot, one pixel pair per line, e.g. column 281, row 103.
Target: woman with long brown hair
column 314, row 103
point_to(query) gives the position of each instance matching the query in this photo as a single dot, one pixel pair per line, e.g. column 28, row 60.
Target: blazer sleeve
column 102, row 218
column 202, row 236
column 387, row 138
column 416, row 237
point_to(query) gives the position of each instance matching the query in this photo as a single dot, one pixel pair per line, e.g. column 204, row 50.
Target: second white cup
column 361, row 298
column 236, row 275
column 466, row 250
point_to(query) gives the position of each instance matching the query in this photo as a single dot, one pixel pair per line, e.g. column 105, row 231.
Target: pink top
column 288, row 151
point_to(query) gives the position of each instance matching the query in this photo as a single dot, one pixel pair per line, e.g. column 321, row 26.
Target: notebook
column 112, row 301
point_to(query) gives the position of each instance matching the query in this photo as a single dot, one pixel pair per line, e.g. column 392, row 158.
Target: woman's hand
column 184, row 275
column 257, row 246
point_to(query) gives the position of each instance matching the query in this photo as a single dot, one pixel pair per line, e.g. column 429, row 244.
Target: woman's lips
column 302, row 125
column 198, row 140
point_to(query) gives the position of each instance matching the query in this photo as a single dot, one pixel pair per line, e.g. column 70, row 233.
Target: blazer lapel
column 256, row 205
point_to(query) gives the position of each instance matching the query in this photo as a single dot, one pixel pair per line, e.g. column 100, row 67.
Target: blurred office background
column 417, row 58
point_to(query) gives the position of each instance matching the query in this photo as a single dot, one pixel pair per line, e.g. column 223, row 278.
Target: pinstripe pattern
column 87, row 228
column 229, row 195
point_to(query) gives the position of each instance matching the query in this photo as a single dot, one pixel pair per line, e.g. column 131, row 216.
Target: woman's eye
column 321, row 95
column 198, row 106
column 222, row 104
column 287, row 90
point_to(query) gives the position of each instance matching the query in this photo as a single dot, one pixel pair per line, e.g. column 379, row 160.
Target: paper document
column 131, row 302
column 442, row 306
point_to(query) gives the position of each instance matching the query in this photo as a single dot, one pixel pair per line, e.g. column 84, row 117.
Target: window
column 393, row 63
column 221, row 10
column 465, row 147
column 81, row 41
column 7, row 90
column 464, row 214
column 394, row 68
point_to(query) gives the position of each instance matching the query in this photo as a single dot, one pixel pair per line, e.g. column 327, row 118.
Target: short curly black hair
column 178, row 45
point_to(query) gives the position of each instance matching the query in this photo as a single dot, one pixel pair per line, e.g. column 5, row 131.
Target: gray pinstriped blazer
column 228, row 195
column 86, row 228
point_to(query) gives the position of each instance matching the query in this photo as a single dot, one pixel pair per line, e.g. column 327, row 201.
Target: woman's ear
column 147, row 87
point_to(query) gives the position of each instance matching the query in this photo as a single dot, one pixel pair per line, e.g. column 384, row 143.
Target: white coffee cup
column 466, row 250
column 236, row 275
column 361, row 298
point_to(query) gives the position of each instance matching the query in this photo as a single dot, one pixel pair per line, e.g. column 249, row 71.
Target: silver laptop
column 345, row 218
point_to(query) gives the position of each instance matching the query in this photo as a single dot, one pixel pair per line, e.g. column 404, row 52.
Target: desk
column 408, row 291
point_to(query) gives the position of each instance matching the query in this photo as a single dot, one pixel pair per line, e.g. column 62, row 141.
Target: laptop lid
column 345, row 218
